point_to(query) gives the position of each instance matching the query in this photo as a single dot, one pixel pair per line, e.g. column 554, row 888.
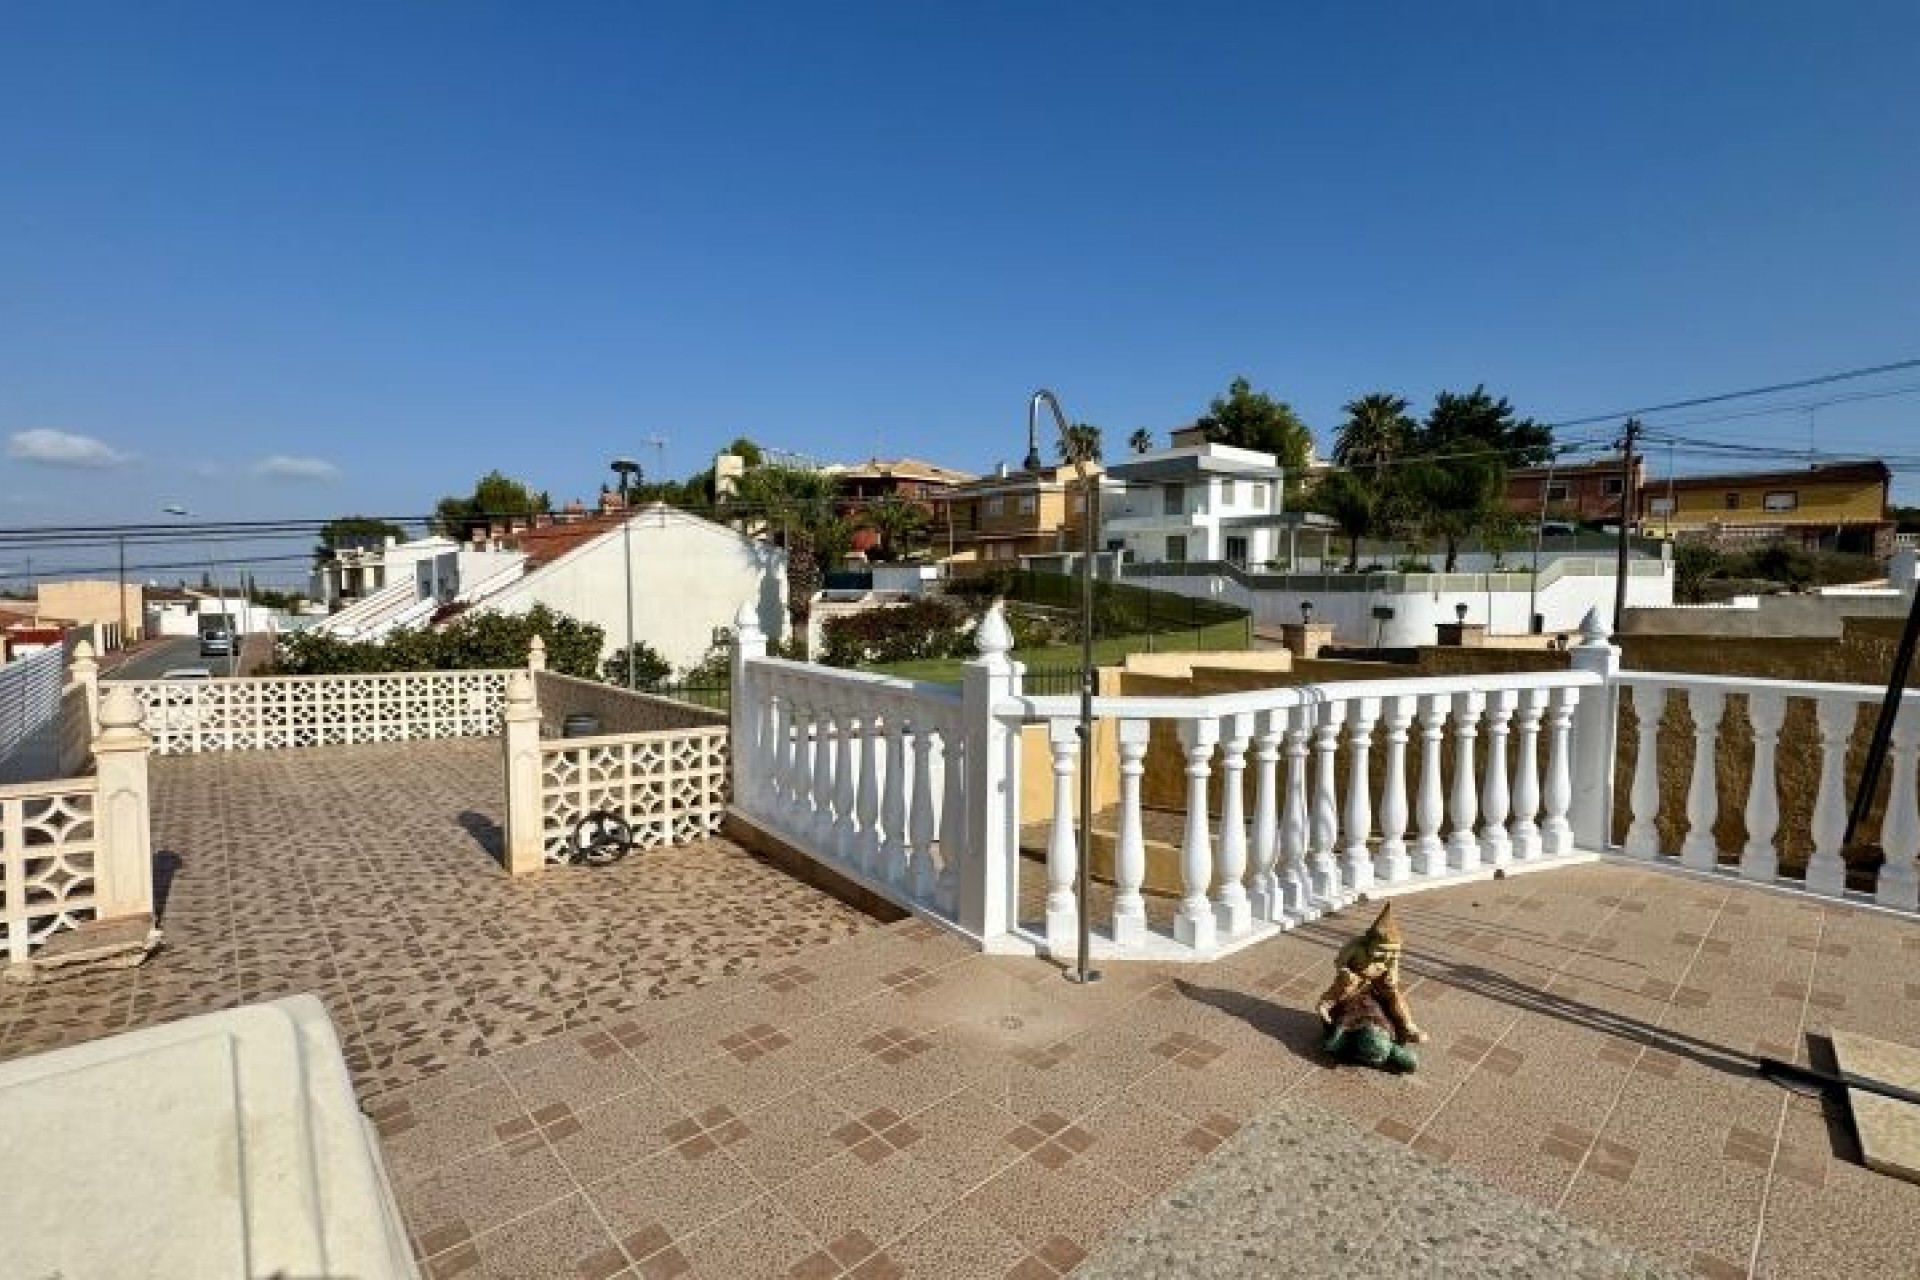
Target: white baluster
column 1296, row 887
column 1496, row 846
column 773, row 756
column 870, row 745
column 1356, row 863
column 1699, row 850
column 1130, row 847
column 846, row 782
column 1231, row 912
column 1323, row 809
column 1265, row 895
column 1526, row 780
column 1760, row 859
column 1556, row 825
column 1899, row 883
column 1390, row 861
column 823, row 751
column 1194, row 924
column 1430, row 806
column 893, row 802
column 1643, row 835
column 1063, row 927
column 1463, row 845
column 1827, row 868
column 953, row 818
column 921, row 832
column 798, row 792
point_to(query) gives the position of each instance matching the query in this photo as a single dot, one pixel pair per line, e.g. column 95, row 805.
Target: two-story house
column 1574, row 491
column 1010, row 514
column 1831, row 506
column 927, row 486
column 1196, row 501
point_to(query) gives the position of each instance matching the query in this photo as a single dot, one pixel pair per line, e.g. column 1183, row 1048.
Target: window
column 1733, row 502
column 1236, row 549
column 1260, row 495
column 1173, row 502
column 1781, row 500
column 1177, row 547
column 1226, row 493
column 1612, row 486
column 1557, row 491
column 996, row 506
column 1659, row 506
column 1026, row 504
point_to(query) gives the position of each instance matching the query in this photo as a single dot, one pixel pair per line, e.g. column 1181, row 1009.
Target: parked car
column 186, row 673
column 216, row 644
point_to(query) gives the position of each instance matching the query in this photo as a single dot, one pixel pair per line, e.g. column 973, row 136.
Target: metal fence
column 715, row 697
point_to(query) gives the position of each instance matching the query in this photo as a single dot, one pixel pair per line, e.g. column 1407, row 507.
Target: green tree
column 1693, row 564
column 495, row 496
column 794, row 505
column 1449, row 499
column 355, row 531
column 1249, row 419
column 1377, row 431
column 1352, row 502
column 1141, row 441
column 1476, row 423
column 901, row 526
column 648, row 666
column 1080, row 444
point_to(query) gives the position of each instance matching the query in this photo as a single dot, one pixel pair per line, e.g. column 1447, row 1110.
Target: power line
column 1824, row 379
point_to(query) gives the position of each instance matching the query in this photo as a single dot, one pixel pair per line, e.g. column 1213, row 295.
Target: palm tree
column 1141, row 441
column 1081, row 442
column 899, row 523
column 795, row 506
column 1377, row 431
column 1352, row 502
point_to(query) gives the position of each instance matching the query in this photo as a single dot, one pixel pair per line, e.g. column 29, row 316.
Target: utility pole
column 1628, row 503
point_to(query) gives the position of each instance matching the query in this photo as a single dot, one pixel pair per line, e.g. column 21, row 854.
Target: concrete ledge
column 1303, row 1192
column 88, row 948
column 749, row 835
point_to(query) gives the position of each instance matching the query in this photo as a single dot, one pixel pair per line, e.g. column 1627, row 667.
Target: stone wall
column 619, row 710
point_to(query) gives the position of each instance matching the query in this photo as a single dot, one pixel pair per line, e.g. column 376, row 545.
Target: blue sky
column 303, row 259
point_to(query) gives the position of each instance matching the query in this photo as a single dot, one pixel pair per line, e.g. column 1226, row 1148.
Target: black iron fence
column 716, row 697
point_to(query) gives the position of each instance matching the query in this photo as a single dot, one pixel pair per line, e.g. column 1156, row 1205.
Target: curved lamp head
column 1460, row 611
column 1306, row 611
column 1033, row 462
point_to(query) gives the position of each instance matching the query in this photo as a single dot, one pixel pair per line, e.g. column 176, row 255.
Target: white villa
column 1197, row 502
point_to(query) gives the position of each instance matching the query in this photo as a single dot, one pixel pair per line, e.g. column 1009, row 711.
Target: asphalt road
column 164, row 655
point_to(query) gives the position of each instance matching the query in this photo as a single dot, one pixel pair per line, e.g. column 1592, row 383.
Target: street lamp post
column 233, row 632
column 625, row 467
column 1089, row 518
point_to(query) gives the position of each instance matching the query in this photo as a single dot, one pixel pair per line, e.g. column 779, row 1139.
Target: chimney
column 1000, row 470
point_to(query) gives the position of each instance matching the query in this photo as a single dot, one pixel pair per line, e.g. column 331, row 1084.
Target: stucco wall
column 619, row 710
column 690, row 577
column 1781, row 615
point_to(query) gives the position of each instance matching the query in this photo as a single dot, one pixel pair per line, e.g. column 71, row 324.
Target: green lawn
column 1107, row 651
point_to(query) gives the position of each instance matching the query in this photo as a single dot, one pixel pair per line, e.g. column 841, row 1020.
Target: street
column 162, row 656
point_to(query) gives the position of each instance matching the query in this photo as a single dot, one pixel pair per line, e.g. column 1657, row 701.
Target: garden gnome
column 1365, row 1011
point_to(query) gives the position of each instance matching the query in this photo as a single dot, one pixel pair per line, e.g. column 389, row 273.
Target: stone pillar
column 991, row 787
column 1305, row 639
column 86, row 670
column 1595, row 735
column 537, row 655
column 123, row 859
column 525, row 851
column 747, row 712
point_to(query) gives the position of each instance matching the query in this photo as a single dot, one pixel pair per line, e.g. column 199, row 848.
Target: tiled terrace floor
column 370, row 876
column 893, row 1104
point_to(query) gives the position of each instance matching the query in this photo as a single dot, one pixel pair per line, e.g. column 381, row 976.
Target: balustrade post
column 526, row 842
column 1463, row 845
column 824, row 737
column 1643, row 836
column 1699, row 850
column 1827, row 868
column 1556, row 831
column 920, row 833
column 1194, row 922
column 537, row 655
column 991, row 794
column 1899, row 883
column 1296, row 886
column 1130, row 847
column 1356, row 863
column 1390, row 862
column 1232, row 913
column 1595, row 734
column 1323, row 811
column 847, row 744
column 1496, row 846
column 1760, row 859
column 1526, row 781
column 868, row 746
column 747, row 716
column 1063, row 920
column 892, row 817
column 1430, row 807
column 953, row 821
column 1264, row 895
column 86, row 673
column 122, row 821
column 797, row 814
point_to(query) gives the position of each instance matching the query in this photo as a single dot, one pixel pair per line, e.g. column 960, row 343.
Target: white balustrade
column 1323, row 810
column 1063, row 919
column 1296, row 885
column 869, row 744
column 1760, row 859
column 1463, row 844
column 1496, row 845
column 1193, row 924
column 1264, row 897
column 1526, row 774
column 1899, row 884
column 1643, row 836
column 923, row 831
column 893, row 844
column 1700, row 850
column 1391, row 864
column 1430, row 810
column 1232, row 913
column 1558, row 796
column 1827, row 868
column 1130, row 846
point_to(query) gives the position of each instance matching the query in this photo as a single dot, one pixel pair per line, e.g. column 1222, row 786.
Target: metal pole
column 122, row 541
column 1883, row 726
column 1627, row 504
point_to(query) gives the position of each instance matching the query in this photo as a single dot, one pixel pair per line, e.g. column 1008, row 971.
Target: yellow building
column 120, row 610
column 1834, row 506
column 1015, row 513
